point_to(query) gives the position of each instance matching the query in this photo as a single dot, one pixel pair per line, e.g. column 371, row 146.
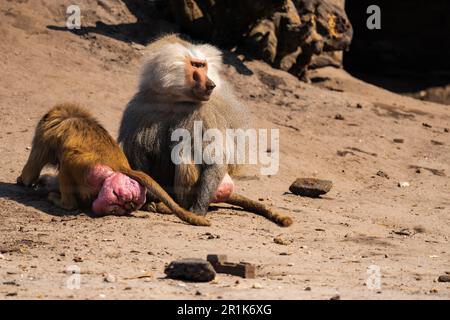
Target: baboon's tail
column 259, row 208
column 155, row 189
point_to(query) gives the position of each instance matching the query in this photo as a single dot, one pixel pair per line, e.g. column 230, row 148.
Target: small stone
column 426, row 125
column 310, row 187
column 282, row 241
column 437, row 143
column 257, row 285
column 109, row 278
column 308, row 289
column 434, row 290
column 444, row 278
column 11, row 294
column 339, row 117
column 78, row 259
column 399, row 140
column 198, row 293
column 2, row 257
column 382, row 174
column 197, row 270
column 403, row 184
column 336, row 297
column 402, row 232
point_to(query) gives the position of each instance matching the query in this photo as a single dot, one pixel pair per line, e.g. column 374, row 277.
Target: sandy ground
column 365, row 220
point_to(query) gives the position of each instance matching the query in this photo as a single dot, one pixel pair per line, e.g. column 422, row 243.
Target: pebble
column 403, row 184
column 339, row 117
column 398, row 140
column 336, row 297
column 109, row 278
column 382, row 174
column 310, row 187
column 257, row 286
column 282, row 241
column 444, row 278
column 197, row 270
column 2, row 257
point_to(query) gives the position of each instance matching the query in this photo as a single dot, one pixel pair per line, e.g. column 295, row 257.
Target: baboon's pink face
column 201, row 86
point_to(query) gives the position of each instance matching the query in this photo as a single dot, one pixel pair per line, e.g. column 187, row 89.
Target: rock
column 403, row 184
column 308, row 289
column 437, row 143
column 241, row 269
column 78, row 259
column 339, row 117
column 197, row 270
column 398, row 140
column 109, row 278
column 257, row 285
column 336, row 297
column 444, row 278
column 382, row 174
column 282, row 241
column 2, row 257
column 289, row 35
column 434, row 290
column 310, row 187
column 402, row 232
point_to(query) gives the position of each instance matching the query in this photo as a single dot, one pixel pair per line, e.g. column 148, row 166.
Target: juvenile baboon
column 93, row 170
column 180, row 85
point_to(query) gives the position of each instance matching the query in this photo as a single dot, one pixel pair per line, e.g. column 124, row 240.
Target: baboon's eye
column 197, row 64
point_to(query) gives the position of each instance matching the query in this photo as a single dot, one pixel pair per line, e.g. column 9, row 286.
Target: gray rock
column 310, row 187
column 196, row 270
column 444, row 278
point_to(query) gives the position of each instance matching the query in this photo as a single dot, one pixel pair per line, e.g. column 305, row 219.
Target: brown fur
column 69, row 137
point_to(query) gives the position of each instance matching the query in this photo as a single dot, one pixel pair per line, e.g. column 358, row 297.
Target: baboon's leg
column 66, row 199
column 38, row 158
column 259, row 208
column 206, row 187
column 185, row 181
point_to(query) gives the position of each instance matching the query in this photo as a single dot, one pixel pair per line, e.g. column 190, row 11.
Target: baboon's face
column 200, row 86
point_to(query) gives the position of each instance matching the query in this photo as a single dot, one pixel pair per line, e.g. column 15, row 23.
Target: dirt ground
column 365, row 222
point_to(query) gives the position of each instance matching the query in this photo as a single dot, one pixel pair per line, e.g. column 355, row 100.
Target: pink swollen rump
column 224, row 190
column 119, row 194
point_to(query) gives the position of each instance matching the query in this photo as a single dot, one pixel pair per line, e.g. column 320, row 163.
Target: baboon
column 180, row 85
column 92, row 168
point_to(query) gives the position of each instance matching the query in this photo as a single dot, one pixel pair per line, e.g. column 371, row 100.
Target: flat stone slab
column 310, row 187
column 196, row 270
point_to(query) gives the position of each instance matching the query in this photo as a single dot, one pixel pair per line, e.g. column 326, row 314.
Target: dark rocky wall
column 414, row 41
